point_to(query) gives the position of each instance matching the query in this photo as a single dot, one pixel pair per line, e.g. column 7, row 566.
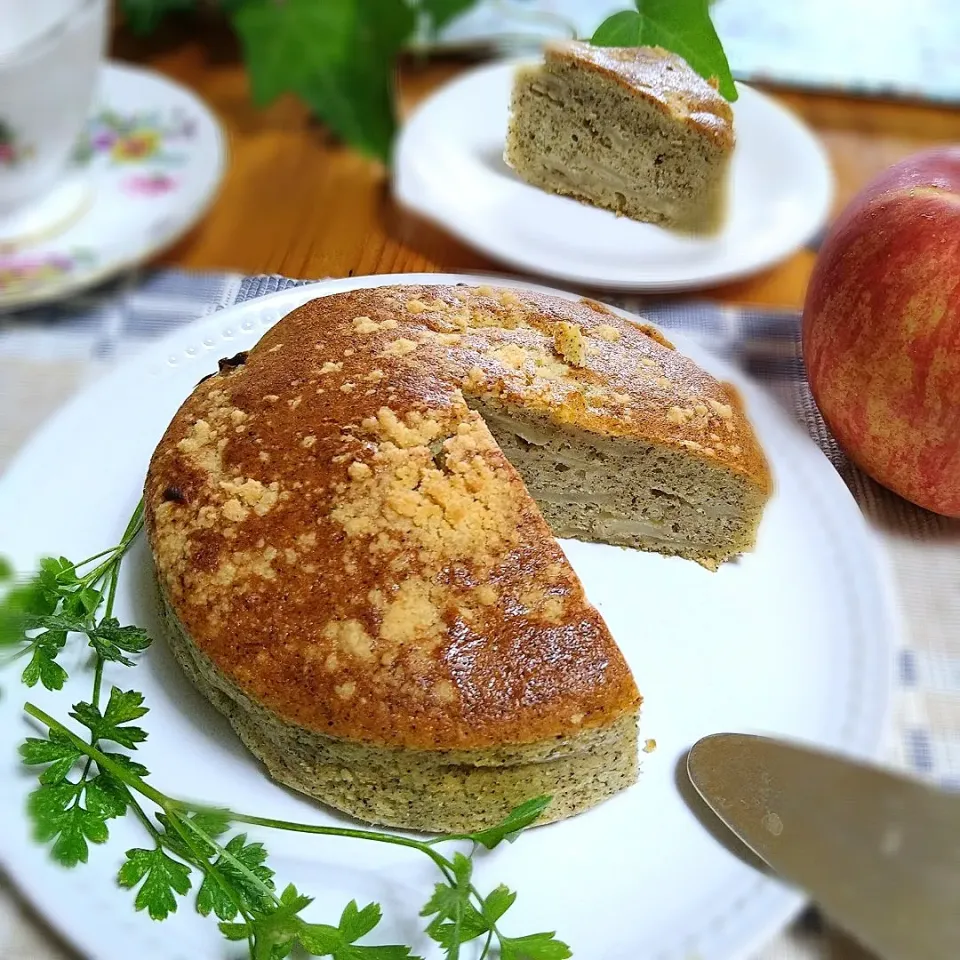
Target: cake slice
column 634, row 130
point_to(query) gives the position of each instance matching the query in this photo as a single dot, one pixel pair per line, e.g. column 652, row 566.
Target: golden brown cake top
column 660, row 77
column 338, row 531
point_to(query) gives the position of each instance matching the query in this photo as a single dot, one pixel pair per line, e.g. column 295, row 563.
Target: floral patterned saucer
column 153, row 156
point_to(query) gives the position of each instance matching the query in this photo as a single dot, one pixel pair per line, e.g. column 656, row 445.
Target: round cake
column 353, row 529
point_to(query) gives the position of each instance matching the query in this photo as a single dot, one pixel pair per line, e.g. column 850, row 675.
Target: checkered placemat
column 46, row 354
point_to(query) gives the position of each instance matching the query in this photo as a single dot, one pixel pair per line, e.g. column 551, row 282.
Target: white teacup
column 50, row 54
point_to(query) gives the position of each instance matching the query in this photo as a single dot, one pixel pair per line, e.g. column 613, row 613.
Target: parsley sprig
column 88, row 777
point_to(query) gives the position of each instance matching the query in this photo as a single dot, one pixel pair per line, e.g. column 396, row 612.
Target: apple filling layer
column 647, row 496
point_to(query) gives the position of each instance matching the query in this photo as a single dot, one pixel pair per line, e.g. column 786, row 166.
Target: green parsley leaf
column 131, row 766
column 21, row 604
column 55, row 572
column 112, row 724
column 82, row 603
column 163, row 879
column 58, row 815
column 681, row 26
column 356, row 923
column 213, row 823
column 43, row 664
column 497, row 903
column 109, row 639
column 510, row 827
column 456, row 919
column 234, row 931
column 537, row 946
column 6, row 570
column 55, row 750
column 212, row 897
column 339, row 57
column 106, row 796
column 275, row 932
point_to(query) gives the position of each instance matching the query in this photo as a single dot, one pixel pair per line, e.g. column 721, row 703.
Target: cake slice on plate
column 634, row 130
column 353, row 531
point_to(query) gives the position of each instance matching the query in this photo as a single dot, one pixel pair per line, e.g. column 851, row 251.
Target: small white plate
column 154, row 155
column 795, row 639
column 449, row 168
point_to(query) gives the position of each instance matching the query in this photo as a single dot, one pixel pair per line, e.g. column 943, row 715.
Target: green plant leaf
column 338, row 57
column 58, row 815
column 56, row 750
column 455, row 919
column 43, row 664
column 339, row 942
column 6, row 570
column 681, row 26
column 111, row 641
column 113, row 723
column 163, row 880
column 131, row 766
column 497, row 903
column 106, row 796
column 510, row 827
column 212, row 898
column 213, row 823
column 537, row 946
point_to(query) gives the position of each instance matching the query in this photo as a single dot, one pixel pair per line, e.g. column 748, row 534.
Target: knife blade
column 880, row 853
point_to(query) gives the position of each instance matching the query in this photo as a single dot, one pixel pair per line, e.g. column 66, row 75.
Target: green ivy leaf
column 681, row 26
column 163, row 880
column 339, row 57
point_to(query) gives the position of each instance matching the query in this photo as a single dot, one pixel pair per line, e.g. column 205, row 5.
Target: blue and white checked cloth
column 49, row 352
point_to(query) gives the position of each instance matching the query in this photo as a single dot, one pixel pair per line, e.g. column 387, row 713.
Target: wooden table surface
column 296, row 202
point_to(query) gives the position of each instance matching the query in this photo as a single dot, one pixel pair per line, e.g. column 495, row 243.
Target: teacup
column 50, row 54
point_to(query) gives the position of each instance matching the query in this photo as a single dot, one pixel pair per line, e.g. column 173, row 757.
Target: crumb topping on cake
column 660, row 77
column 366, row 562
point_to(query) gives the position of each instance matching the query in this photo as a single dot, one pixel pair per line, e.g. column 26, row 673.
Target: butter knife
column 880, row 853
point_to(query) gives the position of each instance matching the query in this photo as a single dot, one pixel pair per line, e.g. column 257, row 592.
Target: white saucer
column 449, row 168
column 150, row 163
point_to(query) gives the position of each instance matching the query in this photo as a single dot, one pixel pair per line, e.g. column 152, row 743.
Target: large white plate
column 795, row 639
column 449, row 168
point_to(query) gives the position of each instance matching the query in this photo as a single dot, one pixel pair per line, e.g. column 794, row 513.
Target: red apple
column 881, row 329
